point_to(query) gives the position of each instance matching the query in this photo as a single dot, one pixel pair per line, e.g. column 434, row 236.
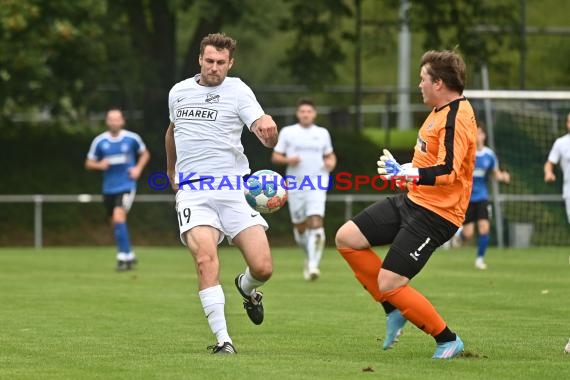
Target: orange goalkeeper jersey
column 445, row 155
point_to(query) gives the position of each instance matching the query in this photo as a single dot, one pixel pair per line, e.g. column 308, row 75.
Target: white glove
column 388, row 167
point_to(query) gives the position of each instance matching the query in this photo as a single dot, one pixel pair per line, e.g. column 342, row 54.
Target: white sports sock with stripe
column 213, row 302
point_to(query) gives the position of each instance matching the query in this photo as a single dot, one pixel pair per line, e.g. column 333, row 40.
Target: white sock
column 248, row 284
column 213, row 302
column 131, row 256
column 315, row 246
column 122, row 256
column 320, row 244
column 300, row 238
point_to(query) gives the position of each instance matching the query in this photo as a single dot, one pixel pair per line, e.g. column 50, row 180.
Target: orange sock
column 416, row 308
column 366, row 265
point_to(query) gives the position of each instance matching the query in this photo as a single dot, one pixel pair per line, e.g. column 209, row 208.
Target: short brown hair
column 446, row 65
column 306, row 102
column 220, row 41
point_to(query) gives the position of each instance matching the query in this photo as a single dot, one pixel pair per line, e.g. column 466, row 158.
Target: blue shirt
column 121, row 152
column 485, row 163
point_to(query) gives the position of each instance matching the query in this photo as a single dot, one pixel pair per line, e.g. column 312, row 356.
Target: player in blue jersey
column 121, row 155
column 486, row 164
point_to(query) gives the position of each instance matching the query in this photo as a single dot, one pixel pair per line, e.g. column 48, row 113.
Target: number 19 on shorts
column 184, row 216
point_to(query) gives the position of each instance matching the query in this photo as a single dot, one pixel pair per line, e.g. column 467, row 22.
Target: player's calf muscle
column 260, row 264
column 262, row 271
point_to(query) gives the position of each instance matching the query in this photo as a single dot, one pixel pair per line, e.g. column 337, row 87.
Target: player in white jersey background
column 307, row 151
column 207, row 115
column 560, row 155
column 115, row 152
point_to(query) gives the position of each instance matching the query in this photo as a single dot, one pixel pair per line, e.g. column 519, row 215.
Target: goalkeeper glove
column 388, row 167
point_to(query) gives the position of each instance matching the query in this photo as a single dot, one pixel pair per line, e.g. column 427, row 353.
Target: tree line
column 67, row 58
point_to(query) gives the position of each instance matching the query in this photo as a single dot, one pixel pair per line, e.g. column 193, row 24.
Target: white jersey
column 560, row 154
column 310, row 144
column 208, row 125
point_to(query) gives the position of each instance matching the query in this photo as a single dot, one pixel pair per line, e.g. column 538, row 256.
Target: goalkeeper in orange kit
column 415, row 223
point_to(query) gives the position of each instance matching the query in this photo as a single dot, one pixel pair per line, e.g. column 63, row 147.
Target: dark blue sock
column 122, row 237
column 482, row 244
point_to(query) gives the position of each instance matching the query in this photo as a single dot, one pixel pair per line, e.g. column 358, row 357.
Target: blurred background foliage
column 68, row 61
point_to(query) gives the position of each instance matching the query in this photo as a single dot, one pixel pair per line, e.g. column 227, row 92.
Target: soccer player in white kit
column 206, row 163
column 560, row 154
column 307, row 151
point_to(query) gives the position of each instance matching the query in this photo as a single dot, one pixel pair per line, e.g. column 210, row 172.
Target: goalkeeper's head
column 442, row 76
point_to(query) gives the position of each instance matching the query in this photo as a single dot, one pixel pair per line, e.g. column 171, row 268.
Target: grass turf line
column 66, row 314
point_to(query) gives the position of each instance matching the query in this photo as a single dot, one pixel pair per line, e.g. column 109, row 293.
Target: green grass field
column 65, row 314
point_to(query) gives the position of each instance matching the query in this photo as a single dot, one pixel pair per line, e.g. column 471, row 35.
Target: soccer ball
column 265, row 191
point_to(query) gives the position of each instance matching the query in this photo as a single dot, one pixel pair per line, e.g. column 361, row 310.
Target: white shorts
column 305, row 203
column 567, row 200
column 225, row 210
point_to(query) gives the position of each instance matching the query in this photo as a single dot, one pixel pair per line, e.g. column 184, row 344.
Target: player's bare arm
column 266, row 131
column 330, row 161
column 170, row 156
column 502, row 176
column 549, row 175
column 91, row 164
column 135, row 171
column 281, row 159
